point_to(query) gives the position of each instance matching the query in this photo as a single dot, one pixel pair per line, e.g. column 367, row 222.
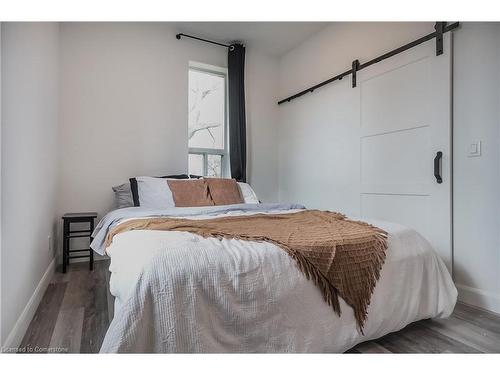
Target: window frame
column 224, row 153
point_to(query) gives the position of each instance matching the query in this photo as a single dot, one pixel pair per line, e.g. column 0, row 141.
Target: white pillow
column 154, row 192
column 247, row 193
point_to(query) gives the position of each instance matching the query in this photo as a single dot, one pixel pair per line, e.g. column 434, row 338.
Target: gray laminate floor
column 76, row 308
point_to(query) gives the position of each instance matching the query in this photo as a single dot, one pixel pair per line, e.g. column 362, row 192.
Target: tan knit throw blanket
column 341, row 256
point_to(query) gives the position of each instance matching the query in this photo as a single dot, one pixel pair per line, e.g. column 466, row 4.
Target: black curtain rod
column 441, row 28
column 231, row 47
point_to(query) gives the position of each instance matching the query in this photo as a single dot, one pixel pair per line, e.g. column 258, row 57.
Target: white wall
column 476, row 180
column 124, row 109
column 321, row 127
column 30, row 151
column 261, row 84
column 319, row 150
column 1, row 330
column 333, row 49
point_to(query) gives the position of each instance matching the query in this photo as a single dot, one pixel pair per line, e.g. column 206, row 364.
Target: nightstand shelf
column 68, row 234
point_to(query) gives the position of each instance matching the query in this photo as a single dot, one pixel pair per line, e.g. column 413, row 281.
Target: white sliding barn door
column 405, row 118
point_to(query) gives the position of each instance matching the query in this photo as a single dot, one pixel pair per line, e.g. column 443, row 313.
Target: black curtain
column 237, row 119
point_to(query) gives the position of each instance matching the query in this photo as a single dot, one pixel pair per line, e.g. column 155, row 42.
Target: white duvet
column 178, row 292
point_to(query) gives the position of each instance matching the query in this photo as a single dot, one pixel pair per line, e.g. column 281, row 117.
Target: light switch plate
column 474, row 149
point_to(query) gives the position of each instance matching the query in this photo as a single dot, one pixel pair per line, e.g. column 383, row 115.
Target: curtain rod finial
column 178, row 36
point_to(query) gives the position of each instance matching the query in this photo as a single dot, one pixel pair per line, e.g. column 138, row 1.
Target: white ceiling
column 273, row 38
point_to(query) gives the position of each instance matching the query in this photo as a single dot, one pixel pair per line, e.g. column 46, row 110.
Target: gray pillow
column 154, row 192
column 123, row 196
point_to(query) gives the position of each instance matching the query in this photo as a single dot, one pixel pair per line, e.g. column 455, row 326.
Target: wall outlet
column 51, row 249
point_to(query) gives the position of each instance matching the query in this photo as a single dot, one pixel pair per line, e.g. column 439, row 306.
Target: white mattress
column 178, row 292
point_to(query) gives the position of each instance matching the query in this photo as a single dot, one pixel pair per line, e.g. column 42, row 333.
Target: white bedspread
column 178, row 292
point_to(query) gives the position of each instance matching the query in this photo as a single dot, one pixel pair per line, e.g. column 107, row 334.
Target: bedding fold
column 113, row 218
column 342, row 257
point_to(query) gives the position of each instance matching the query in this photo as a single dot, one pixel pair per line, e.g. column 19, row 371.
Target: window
column 207, row 126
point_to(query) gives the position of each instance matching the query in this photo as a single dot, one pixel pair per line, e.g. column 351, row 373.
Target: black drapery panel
column 237, row 119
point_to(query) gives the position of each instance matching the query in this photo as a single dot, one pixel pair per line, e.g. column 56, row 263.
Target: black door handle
column 437, row 167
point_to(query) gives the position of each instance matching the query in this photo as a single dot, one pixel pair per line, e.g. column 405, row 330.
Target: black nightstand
column 79, row 217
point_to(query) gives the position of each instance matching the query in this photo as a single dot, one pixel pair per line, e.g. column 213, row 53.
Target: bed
column 177, row 292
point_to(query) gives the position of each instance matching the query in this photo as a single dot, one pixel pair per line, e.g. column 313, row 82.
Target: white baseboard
column 480, row 298
column 18, row 331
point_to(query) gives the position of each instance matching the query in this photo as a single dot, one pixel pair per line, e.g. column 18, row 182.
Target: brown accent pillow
column 224, row 191
column 190, row 193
